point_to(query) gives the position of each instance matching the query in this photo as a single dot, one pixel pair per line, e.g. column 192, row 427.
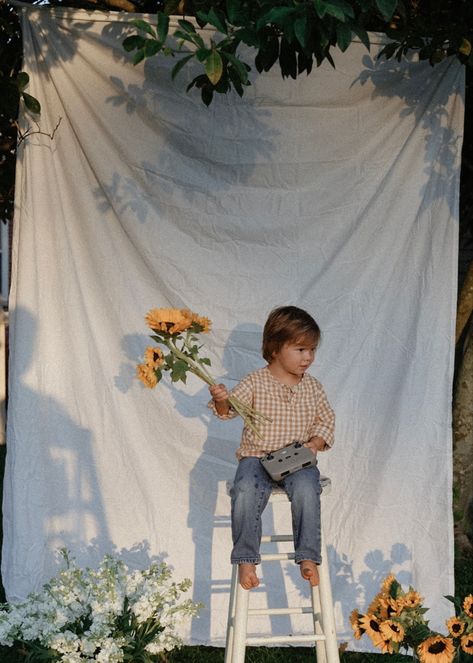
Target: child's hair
column 288, row 324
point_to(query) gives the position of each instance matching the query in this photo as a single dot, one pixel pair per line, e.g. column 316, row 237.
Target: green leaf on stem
column 179, row 371
column 144, row 26
column 31, row 103
column 162, row 26
column 214, row 67
column 179, row 65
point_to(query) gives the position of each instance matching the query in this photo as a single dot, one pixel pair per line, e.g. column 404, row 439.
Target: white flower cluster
column 109, row 614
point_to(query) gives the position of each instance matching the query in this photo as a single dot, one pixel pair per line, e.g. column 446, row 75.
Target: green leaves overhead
column 295, row 34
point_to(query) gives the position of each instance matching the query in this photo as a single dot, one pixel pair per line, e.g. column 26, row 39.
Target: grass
column 463, row 586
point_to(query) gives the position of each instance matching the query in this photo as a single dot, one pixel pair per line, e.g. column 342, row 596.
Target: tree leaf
column 320, row 8
column 248, row 37
column 301, row 30
column 343, row 36
column 216, row 17
column 144, row 26
column 31, row 103
column 304, row 63
column 151, row 47
column 214, row 67
column 235, row 14
column 22, row 79
column 138, row 56
column 361, row 34
column 202, row 54
column 179, row 65
column 267, row 54
column 277, row 15
column 187, row 26
column 132, row 42
column 386, row 7
column 237, row 65
column 287, row 59
column 162, row 26
column 207, row 94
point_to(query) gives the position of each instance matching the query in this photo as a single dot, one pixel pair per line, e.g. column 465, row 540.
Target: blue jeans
column 250, row 494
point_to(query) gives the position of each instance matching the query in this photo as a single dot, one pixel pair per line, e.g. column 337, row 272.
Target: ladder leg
column 318, row 624
column 231, row 615
column 240, row 625
column 326, row 605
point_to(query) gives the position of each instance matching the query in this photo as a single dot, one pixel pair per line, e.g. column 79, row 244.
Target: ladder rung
column 283, row 639
column 305, row 610
column 274, row 538
column 273, row 557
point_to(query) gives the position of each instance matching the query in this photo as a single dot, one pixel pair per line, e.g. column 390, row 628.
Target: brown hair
column 287, row 324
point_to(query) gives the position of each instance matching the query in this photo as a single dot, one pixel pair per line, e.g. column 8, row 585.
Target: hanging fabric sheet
column 337, row 192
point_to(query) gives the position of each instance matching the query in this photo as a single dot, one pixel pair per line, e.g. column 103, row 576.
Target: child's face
column 295, row 358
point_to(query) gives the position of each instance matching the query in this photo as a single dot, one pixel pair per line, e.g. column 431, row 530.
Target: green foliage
column 298, row 33
column 294, row 34
column 435, row 30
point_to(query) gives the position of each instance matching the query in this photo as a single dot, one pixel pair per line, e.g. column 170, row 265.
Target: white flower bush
column 109, row 614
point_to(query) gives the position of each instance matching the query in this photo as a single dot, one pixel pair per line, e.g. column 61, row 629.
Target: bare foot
column 247, row 576
column 310, row 572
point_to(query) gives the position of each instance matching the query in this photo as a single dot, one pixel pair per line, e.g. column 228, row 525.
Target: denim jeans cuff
column 300, row 557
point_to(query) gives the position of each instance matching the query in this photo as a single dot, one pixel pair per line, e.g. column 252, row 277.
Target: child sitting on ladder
column 298, row 410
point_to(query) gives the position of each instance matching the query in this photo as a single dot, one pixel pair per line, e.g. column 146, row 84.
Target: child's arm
column 323, row 427
column 219, row 394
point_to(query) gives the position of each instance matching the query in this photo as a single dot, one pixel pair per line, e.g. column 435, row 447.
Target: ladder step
column 275, row 538
column 304, row 610
column 283, row 639
column 276, row 557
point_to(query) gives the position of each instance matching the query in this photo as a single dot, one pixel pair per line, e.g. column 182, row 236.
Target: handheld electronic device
column 278, row 464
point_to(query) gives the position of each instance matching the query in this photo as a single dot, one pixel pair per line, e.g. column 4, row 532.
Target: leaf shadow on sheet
column 424, row 95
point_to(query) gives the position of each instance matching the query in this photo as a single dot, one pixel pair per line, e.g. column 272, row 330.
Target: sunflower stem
column 246, row 412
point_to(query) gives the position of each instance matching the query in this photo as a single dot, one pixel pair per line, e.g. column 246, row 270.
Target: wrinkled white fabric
column 337, row 192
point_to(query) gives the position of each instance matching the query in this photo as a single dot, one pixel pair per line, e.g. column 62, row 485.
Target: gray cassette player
column 278, row 464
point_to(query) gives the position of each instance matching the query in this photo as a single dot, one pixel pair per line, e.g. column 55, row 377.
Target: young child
column 299, row 411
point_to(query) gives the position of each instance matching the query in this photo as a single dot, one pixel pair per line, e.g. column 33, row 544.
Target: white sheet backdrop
column 337, row 192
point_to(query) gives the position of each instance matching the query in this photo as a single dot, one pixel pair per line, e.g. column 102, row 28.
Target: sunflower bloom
column 389, row 607
column 202, row 321
column 375, row 605
column 355, row 624
column 436, row 649
column 387, row 582
column 392, row 630
column 387, row 647
column 171, row 320
column 455, row 626
column 466, row 643
column 147, row 375
column 370, row 624
column 412, row 599
column 154, row 357
column 468, row 605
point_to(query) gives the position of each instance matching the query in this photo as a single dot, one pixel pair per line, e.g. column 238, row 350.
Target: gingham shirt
column 297, row 413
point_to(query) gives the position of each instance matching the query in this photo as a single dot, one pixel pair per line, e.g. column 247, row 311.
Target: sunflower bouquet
column 176, row 330
column 395, row 620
